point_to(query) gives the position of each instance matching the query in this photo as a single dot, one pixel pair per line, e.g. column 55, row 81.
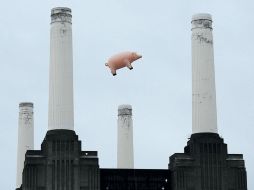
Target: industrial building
column 61, row 164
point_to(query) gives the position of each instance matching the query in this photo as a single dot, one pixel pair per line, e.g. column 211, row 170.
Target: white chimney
column 25, row 137
column 204, row 116
column 61, row 114
column 125, row 157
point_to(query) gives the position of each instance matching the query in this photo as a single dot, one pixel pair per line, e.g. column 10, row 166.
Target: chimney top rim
column 57, row 10
column 202, row 16
column 125, row 106
column 26, row 104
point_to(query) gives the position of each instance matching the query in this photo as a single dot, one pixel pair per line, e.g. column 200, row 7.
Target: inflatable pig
column 121, row 60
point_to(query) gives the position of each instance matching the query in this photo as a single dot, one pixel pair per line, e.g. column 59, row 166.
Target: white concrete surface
column 204, row 114
column 61, row 114
column 25, row 137
column 125, row 155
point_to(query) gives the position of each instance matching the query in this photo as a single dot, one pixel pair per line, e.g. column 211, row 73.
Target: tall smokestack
column 204, row 116
column 25, row 137
column 125, row 157
column 61, row 114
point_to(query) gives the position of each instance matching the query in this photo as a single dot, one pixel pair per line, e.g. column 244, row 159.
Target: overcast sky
column 158, row 88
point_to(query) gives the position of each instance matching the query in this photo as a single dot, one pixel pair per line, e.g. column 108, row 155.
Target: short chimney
column 25, row 137
column 61, row 114
column 204, row 116
column 125, row 156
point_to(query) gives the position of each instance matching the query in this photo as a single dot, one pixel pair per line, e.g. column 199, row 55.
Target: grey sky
column 158, row 88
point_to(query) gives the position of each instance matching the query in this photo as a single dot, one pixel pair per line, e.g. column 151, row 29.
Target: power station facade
column 61, row 164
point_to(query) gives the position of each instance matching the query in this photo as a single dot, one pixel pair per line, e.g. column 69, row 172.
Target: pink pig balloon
column 121, row 60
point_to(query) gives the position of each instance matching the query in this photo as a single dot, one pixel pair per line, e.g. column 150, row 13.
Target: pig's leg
column 113, row 71
column 128, row 64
